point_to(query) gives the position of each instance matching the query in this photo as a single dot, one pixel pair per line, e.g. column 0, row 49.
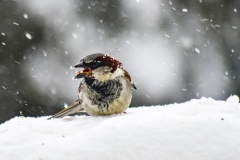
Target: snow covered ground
column 203, row 129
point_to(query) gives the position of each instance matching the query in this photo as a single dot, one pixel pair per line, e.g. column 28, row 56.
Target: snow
column 197, row 50
column 4, row 87
column 28, row 35
column 203, row 129
column 15, row 23
column 75, row 35
column 184, row 10
column 25, row 16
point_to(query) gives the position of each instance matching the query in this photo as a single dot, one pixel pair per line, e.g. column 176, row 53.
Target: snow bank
column 202, row 129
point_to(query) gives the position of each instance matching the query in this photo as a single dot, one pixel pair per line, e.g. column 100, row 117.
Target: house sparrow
column 106, row 87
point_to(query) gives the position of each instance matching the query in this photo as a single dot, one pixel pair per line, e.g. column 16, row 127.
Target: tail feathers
column 73, row 108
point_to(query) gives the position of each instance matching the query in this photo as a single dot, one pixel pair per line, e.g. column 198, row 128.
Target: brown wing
column 127, row 75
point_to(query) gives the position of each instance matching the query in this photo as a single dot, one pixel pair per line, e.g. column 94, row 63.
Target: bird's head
column 99, row 66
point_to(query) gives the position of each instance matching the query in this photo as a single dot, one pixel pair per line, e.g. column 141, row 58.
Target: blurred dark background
column 174, row 50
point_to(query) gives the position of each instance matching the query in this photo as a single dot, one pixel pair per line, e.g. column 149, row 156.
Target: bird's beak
column 79, row 65
column 86, row 72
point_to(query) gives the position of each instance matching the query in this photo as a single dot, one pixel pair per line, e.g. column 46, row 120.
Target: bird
column 106, row 87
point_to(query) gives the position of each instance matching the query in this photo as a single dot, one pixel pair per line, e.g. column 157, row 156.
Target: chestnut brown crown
column 97, row 60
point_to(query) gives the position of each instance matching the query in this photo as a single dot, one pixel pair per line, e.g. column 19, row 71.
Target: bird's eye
column 96, row 63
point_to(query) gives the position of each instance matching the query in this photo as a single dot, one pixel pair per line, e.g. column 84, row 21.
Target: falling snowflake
column 197, row 50
column 25, row 16
column 28, row 35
